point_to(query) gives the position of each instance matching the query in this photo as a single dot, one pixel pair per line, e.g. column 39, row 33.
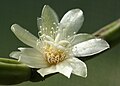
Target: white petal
column 90, row 47
column 31, row 57
column 48, row 70
column 63, row 68
column 15, row 54
column 49, row 21
column 78, row 38
column 25, row 36
column 71, row 22
column 30, row 51
column 33, row 62
column 79, row 67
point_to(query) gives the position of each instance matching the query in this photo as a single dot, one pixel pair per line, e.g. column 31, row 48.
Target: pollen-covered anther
column 74, row 32
column 54, row 56
column 51, row 32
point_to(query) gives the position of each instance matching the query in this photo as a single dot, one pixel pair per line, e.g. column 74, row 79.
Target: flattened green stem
column 13, row 72
column 110, row 33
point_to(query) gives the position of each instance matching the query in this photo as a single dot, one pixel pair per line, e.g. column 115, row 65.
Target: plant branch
column 110, row 33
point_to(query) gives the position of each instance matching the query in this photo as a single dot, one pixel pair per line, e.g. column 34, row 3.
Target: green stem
column 110, row 33
column 13, row 72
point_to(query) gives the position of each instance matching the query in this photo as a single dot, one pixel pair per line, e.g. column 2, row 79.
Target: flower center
column 54, row 56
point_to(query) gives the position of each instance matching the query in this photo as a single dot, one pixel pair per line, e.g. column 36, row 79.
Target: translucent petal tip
column 13, row 27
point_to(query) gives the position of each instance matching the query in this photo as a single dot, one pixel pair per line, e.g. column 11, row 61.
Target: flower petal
column 79, row 67
column 15, row 54
column 78, row 38
column 23, row 35
column 33, row 62
column 30, row 52
column 63, row 68
column 49, row 21
column 30, row 57
column 90, row 47
column 48, row 70
column 71, row 23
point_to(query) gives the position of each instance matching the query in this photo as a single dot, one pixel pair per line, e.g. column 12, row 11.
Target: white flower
column 58, row 44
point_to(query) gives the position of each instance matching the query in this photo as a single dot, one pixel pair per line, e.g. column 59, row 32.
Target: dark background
column 102, row 71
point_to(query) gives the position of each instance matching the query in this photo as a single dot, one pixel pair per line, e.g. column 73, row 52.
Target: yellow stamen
column 53, row 55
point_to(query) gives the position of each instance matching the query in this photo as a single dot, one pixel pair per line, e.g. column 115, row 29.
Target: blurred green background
column 102, row 71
